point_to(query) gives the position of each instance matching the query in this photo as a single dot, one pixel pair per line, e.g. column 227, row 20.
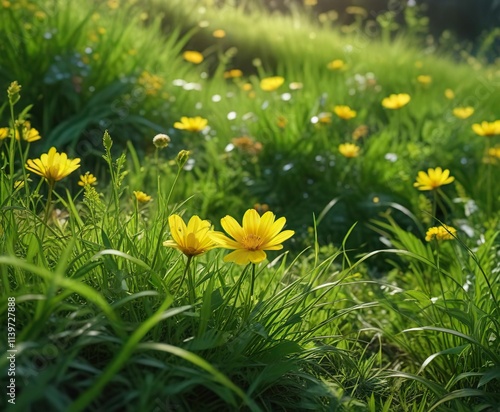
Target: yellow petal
column 233, row 228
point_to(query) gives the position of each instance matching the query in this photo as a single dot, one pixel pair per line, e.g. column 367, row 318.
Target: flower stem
column 188, row 263
column 47, row 207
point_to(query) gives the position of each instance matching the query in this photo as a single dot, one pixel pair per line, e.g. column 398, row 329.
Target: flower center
column 252, row 241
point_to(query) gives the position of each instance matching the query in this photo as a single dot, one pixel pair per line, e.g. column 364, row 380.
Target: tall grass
column 359, row 312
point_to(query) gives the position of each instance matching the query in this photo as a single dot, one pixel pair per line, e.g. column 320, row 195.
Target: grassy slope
column 318, row 319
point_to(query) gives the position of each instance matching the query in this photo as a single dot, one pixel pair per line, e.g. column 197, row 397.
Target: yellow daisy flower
column 433, row 179
column 344, row 112
column 193, row 239
column 192, row 56
column 396, row 101
column 463, row 112
column 487, row 128
column 349, row 150
column 269, row 84
column 191, row 124
column 443, row 232
column 142, row 197
column 336, row 64
column 257, row 234
column 53, row 166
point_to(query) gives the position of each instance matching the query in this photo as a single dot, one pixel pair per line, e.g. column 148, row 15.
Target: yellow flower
column 463, row 112
column 191, row 124
column 310, row 2
column 487, row 128
column 269, row 84
column 247, row 87
column 449, row 94
column 336, row 64
column 30, row 134
column 494, row 152
column 344, row 112
column 4, row 133
column 233, row 73
column 396, row 101
column 443, row 232
column 257, row 234
column 193, row 239
column 142, row 197
column 88, row 179
column 424, row 79
column 193, row 56
column 53, row 166
column 349, row 150
column 433, row 179
column 219, row 34
column 151, row 83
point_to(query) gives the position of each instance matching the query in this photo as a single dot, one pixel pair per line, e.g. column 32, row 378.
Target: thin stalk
column 47, row 207
column 188, row 263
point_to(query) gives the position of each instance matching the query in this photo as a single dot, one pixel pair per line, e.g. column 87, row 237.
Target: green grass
column 357, row 312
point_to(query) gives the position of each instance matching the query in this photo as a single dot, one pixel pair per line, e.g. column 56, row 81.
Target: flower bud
column 161, row 141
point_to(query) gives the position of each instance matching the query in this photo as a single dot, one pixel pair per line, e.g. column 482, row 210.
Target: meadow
column 210, row 205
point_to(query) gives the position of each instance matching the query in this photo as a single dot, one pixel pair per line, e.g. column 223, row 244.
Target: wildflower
column 257, row 234
column 193, row 239
column 443, row 232
column 433, row 179
column 247, row 87
column 463, row 112
column 349, row 150
column 344, row 112
column 449, row 94
column 182, row 157
column 487, row 128
column 232, row 74
column 247, row 144
column 310, row 2
column 193, row 56
column 191, row 124
column 161, row 141
column 219, row 34
column 30, row 134
column 13, row 92
column 88, row 179
column 360, row 131
column 53, row 166
column 494, row 152
column 336, row 64
column 4, row 133
column 151, row 83
column 492, row 155
column 142, row 197
column 269, row 84
column 324, row 118
column 396, row 101
column 424, row 79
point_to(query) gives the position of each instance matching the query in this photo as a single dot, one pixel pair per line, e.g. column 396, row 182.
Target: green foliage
column 359, row 313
